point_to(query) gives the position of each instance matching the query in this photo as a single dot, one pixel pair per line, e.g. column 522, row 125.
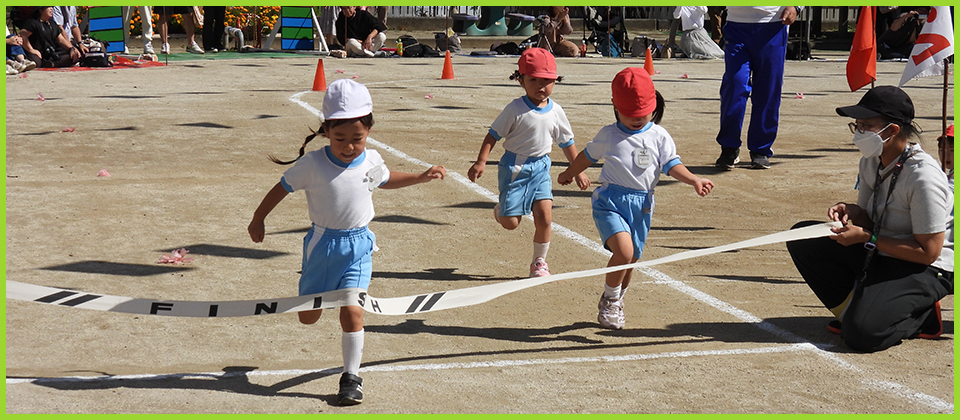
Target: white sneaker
column 28, row 65
column 126, row 51
column 14, row 65
column 165, row 48
column 148, row 47
column 611, row 313
column 194, row 49
column 539, row 268
column 11, row 70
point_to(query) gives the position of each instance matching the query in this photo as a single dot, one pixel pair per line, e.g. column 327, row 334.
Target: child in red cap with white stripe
column 528, row 126
column 634, row 150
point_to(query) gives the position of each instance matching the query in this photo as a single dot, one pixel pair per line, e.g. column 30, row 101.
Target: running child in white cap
column 634, row 150
column 339, row 181
column 528, row 126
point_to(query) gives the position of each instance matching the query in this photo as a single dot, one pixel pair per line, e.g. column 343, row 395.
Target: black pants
column 896, row 297
column 213, row 26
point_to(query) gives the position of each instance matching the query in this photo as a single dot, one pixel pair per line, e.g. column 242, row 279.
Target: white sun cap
column 346, row 99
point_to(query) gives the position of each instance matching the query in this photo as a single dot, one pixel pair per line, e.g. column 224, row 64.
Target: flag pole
column 946, row 74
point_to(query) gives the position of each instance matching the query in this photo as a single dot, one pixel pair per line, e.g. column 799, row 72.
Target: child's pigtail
column 302, row 148
column 658, row 112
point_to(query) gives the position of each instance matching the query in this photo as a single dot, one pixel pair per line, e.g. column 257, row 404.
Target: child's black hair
column 657, row 112
column 516, row 76
column 366, row 120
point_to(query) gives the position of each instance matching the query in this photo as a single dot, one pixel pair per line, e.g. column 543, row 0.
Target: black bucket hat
column 888, row 101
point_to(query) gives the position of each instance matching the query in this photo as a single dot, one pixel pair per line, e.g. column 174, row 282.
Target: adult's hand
column 789, row 15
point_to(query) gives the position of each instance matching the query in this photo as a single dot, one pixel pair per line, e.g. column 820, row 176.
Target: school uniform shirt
column 633, row 159
column 920, row 202
column 528, row 130
column 339, row 195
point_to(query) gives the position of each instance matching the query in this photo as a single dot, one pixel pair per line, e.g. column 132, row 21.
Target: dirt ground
column 186, row 148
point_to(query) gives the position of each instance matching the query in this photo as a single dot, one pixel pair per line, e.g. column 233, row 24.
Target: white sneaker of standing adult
column 194, row 49
column 611, row 313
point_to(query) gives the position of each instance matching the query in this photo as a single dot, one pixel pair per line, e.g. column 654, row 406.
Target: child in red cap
column 635, row 150
column 528, row 126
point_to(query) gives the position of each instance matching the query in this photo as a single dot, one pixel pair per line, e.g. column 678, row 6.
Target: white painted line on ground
column 425, row 367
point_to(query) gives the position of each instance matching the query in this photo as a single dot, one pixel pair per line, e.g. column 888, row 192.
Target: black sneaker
column 758, row 161
column 351, row 390
column 729, row 156
column 834, row 326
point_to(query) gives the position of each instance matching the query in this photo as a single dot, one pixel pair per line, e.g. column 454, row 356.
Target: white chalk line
column 662, row 278
column 423, row 367
column 659, row 278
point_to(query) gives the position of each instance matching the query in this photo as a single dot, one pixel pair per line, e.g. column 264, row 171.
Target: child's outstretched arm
column 476, row 171
column 702, row 186
column 274, row 197
column 571, row 153
column 577, row 166
column 405, row 179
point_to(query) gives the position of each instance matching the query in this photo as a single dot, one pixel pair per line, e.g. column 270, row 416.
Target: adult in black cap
column 882, row 274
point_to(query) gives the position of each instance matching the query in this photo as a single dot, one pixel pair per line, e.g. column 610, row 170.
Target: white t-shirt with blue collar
column 339, row 194
column 528, row 130
column 633, row 158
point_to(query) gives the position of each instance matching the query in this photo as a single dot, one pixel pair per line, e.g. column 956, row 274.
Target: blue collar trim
column 336, row 161
column 538, row 109
column 625, row 129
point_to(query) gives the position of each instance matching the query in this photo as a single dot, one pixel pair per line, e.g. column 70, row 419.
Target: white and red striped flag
column 934, row 44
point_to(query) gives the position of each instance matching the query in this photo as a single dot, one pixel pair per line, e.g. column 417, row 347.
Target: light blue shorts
column 522, row 183
column 336, row 259
column 621, row 209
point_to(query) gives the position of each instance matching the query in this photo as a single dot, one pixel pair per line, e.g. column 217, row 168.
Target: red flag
column 862, row 65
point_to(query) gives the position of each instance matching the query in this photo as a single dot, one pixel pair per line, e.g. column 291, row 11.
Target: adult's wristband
column 872, row 243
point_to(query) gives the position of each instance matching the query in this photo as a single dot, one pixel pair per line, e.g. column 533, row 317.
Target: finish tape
column 357, row 297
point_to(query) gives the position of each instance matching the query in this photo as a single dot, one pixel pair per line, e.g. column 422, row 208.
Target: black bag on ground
column 506, row 48
column 444, row 43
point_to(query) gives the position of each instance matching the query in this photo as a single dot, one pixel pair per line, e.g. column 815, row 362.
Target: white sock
column 623, row 291
column 611, row 292
column 352, row 345
column 540, row 250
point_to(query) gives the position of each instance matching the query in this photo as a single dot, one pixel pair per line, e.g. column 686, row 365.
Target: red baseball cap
column 950, row 130
column 538, row 62
column 633, row 92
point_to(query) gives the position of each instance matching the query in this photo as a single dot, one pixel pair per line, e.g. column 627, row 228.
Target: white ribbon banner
column 357, row 297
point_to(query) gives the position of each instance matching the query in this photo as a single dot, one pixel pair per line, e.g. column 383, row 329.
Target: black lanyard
column 894, row 174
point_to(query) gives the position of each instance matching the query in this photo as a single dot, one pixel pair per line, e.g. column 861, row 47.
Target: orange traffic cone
column 648, row 63
column 320, row 80
column 447, row 67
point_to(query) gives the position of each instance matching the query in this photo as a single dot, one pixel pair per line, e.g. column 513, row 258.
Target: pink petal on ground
column 355, row 76
column 684, row 76
column 428, row 97
column 22, row 75
column 799, row 95
column 657, row 71
column 67, row 130
column 339, row 71
column 40, row 97
column 177, row 258
column 103, row 173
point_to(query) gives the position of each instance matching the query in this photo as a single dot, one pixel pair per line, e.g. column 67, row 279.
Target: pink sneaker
column 539, row 268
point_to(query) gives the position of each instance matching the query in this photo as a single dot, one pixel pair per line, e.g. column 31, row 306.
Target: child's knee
column 509, row 222
column 309, row 317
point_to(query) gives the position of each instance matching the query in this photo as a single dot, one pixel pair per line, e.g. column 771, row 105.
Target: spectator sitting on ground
column 16, row 61
column 360, row 33
column 695, row 42
column 552, row 31
column 897, row 42
column 44, row 41
column 66, row 17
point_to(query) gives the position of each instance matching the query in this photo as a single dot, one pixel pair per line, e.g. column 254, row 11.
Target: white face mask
column 870, row 143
